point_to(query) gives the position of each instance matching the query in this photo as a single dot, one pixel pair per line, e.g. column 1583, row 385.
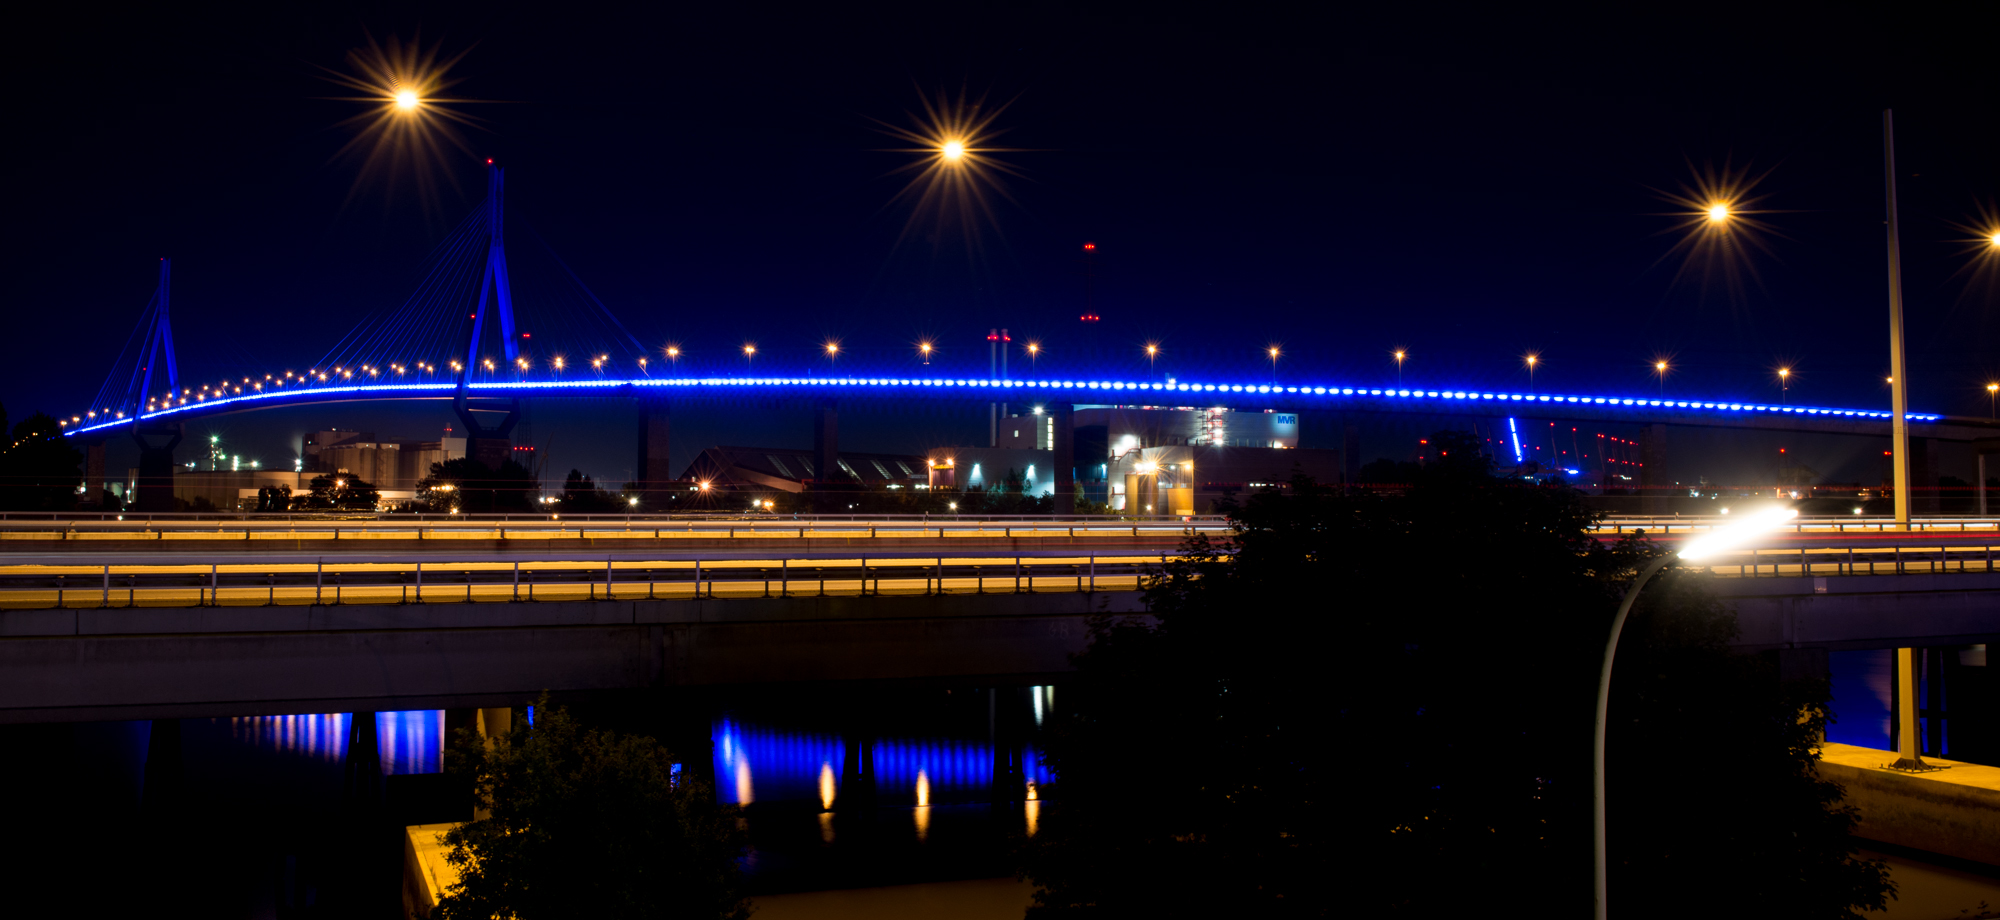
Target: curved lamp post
column 1719, row 540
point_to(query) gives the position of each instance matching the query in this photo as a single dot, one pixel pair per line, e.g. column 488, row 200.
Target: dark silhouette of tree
column 582, row 495
column 1384, row 471
column 588, row 823
column 39, row 470
column 471, row 487
column 338, row 491
column 1398, row 689
column 1765, row 832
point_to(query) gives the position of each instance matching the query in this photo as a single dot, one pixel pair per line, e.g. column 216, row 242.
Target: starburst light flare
column 956, row 172
column 1982, row 244
column 409, row 127
column 1720, row 225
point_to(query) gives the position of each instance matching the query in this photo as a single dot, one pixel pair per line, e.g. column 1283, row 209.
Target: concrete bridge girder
column 1865, row 611
column 89, row 664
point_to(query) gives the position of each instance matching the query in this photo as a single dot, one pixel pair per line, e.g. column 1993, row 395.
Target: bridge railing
column 44, row 517
column 275, row 583
column 540, row 581
column 1828, row 524
column 21, row 536
column 1817, row 561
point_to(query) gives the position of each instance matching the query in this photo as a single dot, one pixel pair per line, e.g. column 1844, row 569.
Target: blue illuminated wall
column 1861, row 696
column 755, row 763
column 409, row 742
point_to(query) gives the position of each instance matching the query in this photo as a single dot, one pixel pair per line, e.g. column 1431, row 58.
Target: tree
column 582, row 495
column 1398, row 689
column 338, row 491
column 1768, row 835
column 588, row 823
column 39, row 470
column 470, row 487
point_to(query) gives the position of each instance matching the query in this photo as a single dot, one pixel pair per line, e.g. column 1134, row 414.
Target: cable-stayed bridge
column 486, row 334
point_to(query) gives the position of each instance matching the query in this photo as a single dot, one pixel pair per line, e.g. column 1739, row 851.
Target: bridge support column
column 94, row 485
column 1909, row 756
column 1350, row 454
column 1062, row 417
column 491, row 724
column 1981, row 449
column 156, row 469
column 489, row 445
column 1653, row 483
column 857, row 790
column 826, row 444
column 654, row 470
column 1003, row 738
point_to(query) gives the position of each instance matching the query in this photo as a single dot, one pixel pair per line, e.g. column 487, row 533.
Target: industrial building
column 985, row 468
column 384, row 463
column 1143, row 459
column 392, row 466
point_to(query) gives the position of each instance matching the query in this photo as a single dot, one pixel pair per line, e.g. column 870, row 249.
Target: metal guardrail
column 572, row 530
column 7, row 517
column 1828, row 524
column 1932, row 559
column 321, row 583
column 400, row 582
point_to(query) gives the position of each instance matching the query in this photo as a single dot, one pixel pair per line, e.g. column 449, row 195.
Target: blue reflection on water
column 409, row 742
column 759, row 763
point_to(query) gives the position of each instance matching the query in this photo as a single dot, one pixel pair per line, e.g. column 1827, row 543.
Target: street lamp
column 832, row 351
column 1785, row 385
column 749, row 352
column 924, row 348
column 1273, row 352
column 1992, row 390
column 1034, row 351
column 1660, row 368
column 1399, row 367
column 1152, row 352
column 1718, row 540
column 1532, row 359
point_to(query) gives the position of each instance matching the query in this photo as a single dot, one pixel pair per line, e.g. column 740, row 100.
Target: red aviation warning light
column 1087, row 247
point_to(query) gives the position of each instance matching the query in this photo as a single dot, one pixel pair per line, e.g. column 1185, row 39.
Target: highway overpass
column 125, row 636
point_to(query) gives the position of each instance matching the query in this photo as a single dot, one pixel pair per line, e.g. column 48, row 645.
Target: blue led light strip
column 1515, row 435
column 1093, row 388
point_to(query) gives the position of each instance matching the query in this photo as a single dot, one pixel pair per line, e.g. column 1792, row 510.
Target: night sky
column 1340, row 182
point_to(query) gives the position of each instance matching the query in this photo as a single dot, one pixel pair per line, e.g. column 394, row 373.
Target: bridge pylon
column 489, row 444
column 155, row 491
